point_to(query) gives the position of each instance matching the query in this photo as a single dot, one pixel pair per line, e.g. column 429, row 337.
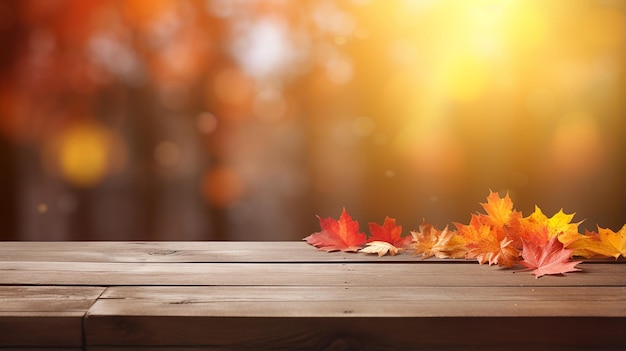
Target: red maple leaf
column 338, row 235
column 551, row 258
column 389, row 232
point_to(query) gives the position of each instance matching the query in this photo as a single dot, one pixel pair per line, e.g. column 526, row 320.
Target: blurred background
column 244, row 119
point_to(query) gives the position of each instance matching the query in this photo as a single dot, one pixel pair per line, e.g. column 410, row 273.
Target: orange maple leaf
column 538, row 228
column 558, row 224
column 500, row 211
column 429, row 241
column 531, row 232
column 338, row 235
column 551, row 258
column 488, row 244
column 389, row 232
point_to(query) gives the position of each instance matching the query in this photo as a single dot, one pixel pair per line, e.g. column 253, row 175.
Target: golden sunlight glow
column 465, row 77
column 577, row 147
column 84, row 153
column 475, row 52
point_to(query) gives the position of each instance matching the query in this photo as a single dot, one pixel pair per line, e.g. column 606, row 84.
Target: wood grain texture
column 48, row 316
column 188, row 294
column 286, row 274
column 191, row 252
column 32, row 299
column 178, row 296
column 307, row 301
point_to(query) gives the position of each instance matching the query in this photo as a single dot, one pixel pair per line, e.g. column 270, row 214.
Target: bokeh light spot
column 233, row 87
column 167, row 153
column 339, row 70
column 206, row 123
column 83, row 154
column 263, row 47
column 222, row 186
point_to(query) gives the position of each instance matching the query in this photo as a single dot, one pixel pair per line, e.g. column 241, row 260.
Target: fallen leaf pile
column 501, row 236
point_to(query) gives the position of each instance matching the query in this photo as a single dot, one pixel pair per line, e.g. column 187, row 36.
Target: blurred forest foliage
column 243, row 119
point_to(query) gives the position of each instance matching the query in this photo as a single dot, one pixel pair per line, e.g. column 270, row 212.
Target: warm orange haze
column 243, row 120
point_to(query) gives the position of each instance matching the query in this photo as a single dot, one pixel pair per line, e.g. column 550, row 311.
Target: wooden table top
column 287, row 295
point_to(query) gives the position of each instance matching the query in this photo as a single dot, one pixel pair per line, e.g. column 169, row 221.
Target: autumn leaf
column 584, row 245
column 381, row 248
column 389, row 232
column 551, row 258
column 500, row 211
column 429, row 241
column 560, row 223
column 538, row 228
column 500, row 237
column 610, row 243
column 488, row 244
column 537, row 234
column 338, row 235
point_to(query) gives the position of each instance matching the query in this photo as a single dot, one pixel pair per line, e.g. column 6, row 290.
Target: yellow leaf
column 537, row 225
column 583, row 245
column 615, row 242
column 560, row 224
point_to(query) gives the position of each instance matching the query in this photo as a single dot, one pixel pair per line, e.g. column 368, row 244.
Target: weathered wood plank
column 29, row 299
column 192, row 294
column 47, row 316
column 368, row 309
column 203, row 251
column 224, row 295
column 366, row 274
column 301, row 333
column 382, row 301
column 214, row 251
